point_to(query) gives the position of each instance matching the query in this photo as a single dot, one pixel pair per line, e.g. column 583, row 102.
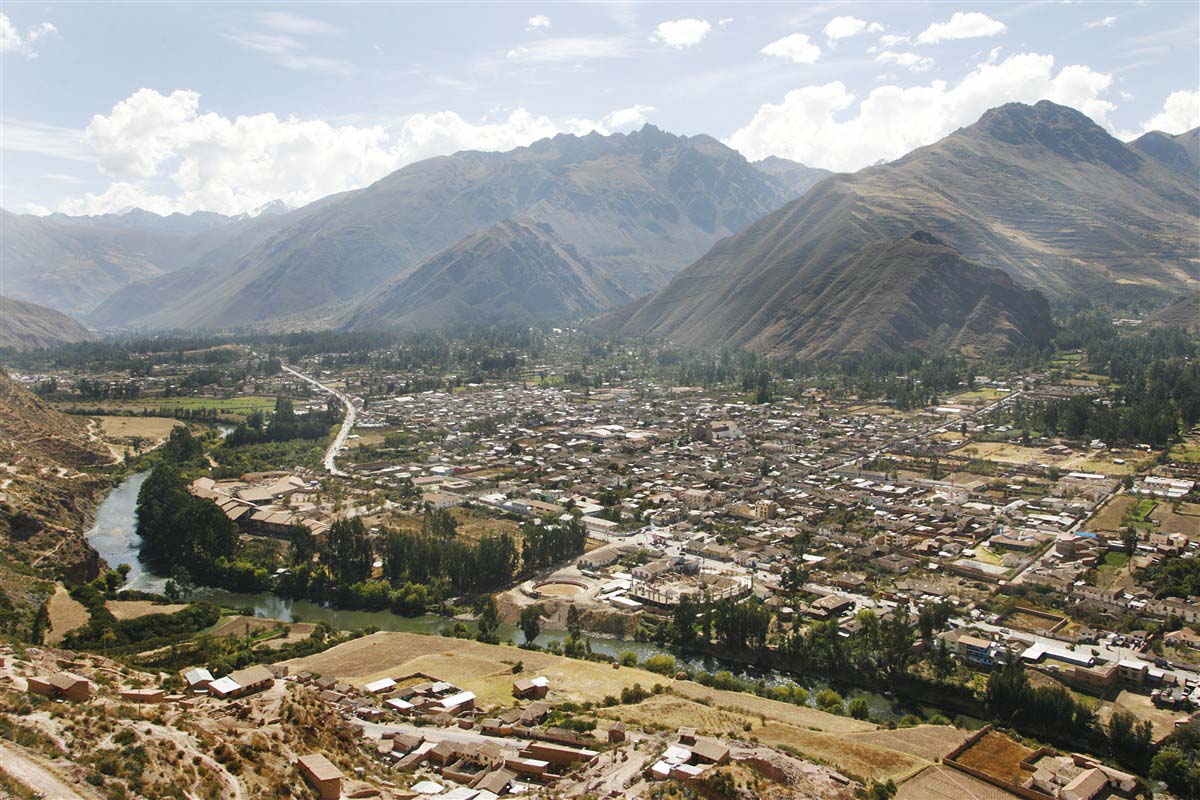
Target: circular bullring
column 560, row 587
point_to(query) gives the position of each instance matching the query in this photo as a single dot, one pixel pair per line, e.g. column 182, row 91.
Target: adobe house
column 322, row 775
column 65, row 685
column 530, row 688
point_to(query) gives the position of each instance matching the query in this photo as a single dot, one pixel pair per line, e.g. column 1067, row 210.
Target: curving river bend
column 115, row 537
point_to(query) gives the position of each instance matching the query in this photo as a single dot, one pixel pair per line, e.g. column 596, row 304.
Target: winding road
column 339, row 441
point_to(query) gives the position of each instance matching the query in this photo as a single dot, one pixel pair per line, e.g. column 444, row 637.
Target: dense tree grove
column 1047, row 711
column 178, row 528
column 284, row 424
column 485, row 565
column 347, row 551
column 544, row 542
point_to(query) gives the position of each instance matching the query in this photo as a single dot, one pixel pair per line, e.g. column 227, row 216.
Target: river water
column 115, row 537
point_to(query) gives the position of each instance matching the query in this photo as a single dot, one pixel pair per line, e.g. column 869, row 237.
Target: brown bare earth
column 1109, row 518
column 151, row 429
column 66, row 614
column 997, row 755
column 943, row 783
column 1186, row 520
column 132, row 609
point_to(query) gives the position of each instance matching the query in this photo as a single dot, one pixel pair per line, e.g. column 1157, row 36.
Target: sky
column 228, row 106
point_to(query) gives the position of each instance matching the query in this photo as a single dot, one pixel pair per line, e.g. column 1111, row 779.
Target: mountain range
column 716, row 250
column 1040, row 192
column 638, row 207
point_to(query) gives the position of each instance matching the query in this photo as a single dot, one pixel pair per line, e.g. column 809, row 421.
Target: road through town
column 339, row 441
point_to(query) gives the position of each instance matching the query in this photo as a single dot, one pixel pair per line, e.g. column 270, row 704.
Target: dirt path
column 38, row 776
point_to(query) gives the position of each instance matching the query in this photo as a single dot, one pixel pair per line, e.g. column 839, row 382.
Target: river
column 115, row 537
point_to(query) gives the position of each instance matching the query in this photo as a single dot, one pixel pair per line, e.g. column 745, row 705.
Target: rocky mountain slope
column 1182, row 312
column 510, row 271
column 1040, row 192
column 28, row 326
column 916, row 293
column 638, row 207
column 45, row 501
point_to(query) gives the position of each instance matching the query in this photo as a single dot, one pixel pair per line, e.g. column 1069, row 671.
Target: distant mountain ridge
column 510, row 271
column 637, row 206
column 28, row 326
column 1040, row 192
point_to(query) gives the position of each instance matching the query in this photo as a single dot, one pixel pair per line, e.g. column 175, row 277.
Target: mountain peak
column 1064, row 131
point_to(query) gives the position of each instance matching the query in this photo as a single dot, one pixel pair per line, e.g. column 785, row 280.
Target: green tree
column 489, row 620
column 41, row 624
column 531, row 623
column 347, row 552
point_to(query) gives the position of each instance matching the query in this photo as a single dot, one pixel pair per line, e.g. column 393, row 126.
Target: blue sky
column 226, row 106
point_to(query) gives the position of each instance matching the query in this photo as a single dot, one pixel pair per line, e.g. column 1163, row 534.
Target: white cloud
column 634, row 116
column 36, row 210
column 289, row 52
column 47, row 140
column 811, row 124
column 796, row 47
column 1103, row 22
column 724, row 21
column 164, row 154
column 538, row 22
column 893, row 39
column 845, row 27
column 681, row 33
column 1181, row 112
column 296, row 24
column 962, row 25
column 548, row 51
column 11, row 40
column 912, row 61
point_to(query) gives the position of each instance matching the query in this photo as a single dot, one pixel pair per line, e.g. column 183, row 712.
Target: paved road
column 347, row 424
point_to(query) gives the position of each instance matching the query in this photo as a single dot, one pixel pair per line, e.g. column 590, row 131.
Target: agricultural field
column 151, row 430
column 755, row 706
column 1187, row 451
column 930, row 742
column 997, row 755
column 985, row 393
column 940, row 782
column 66, row 614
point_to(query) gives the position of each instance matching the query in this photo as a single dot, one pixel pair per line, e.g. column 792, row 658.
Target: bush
column 662, row 664
column 859, row 709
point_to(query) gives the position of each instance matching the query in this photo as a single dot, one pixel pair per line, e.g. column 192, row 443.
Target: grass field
column 986, row 393
column 997, row 755
column 1113, row 561
column 1187, row 451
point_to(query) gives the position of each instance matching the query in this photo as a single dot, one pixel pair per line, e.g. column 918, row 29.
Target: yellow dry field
column 929, row 742
column 132, row 609
column 943, row 783
column 66, row 614
column 864, row 759
column 755, row 706
column 151, row 429
column 367, row 438
column 484, row 669
column 670, row 712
